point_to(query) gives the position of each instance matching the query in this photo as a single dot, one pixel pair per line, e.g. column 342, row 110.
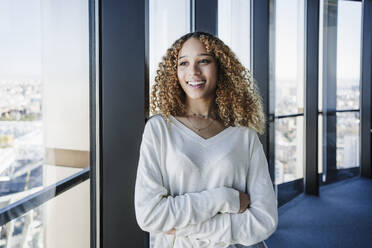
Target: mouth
column 196, row 84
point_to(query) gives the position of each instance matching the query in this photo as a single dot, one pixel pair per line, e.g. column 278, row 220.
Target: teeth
column 196, row 83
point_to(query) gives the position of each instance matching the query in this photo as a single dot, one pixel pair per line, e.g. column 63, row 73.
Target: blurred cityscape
column 289, row 131
column 21, row 157
column 21, row 140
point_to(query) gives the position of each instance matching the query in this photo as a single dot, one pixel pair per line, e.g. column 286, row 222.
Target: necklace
column 200, row 116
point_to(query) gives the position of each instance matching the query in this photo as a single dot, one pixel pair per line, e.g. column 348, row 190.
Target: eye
column 183, row 63
column 204, row 61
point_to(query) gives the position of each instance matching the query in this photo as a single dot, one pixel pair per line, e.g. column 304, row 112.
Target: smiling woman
column 202, row 178
column 197, row 70
column 236, row 101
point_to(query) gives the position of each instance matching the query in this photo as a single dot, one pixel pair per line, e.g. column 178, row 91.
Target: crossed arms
column 208, row 215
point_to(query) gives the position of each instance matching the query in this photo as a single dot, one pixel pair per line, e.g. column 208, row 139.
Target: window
column 339, row 82
column 169, row 20
column 289, row 82
column 44, row 113
column 234, row 28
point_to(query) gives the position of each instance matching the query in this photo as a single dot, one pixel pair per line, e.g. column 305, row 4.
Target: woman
column 202, row 178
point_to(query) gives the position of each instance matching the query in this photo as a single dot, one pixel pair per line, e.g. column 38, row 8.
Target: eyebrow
column 201, row 54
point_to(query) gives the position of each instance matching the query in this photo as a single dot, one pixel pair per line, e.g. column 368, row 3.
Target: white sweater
column 191, row 184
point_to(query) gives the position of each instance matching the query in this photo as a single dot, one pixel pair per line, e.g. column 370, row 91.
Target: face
column 196, row 70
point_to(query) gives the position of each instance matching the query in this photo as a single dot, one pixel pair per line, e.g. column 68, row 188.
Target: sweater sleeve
column 252, row 226
column 158, row 211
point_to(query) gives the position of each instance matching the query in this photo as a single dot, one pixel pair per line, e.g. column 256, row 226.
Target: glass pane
column 169, row 20
column 348, row 140
column 288, row 61
column 44, row 94
column 288, row 149
column 61, row 222
column 289, row 56
column 348, row 54
column 339, row 82
column 234, row 27
column 339, row 52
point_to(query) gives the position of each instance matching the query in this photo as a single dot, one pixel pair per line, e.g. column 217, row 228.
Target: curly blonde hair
column 237, row 102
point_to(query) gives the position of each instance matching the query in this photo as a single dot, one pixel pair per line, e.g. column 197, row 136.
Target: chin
column 198, row 96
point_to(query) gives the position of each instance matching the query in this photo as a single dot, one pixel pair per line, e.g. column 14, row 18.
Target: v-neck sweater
column 191, row 184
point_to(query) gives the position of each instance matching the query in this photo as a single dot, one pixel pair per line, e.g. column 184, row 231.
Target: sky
column 288, row 30
column 20, row 38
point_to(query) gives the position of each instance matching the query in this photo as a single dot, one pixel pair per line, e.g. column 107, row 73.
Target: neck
column 199, row 106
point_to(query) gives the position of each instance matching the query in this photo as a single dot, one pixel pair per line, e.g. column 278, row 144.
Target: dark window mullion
column 311, row 182
column 365, row 90
column 260, row 48
column 206, row 16
column 94, row 129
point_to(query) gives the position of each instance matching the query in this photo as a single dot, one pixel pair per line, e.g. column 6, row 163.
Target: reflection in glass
column 67, row 214
column 24, row 231
column 288, row 149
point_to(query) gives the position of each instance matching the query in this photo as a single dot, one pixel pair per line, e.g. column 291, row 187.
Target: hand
column 245, row 201
column 173, row 231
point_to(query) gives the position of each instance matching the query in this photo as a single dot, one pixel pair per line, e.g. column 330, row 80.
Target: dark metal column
column 192, row 15
column 93, row 103
column 366, row 90
column 122, row 77
column 206, row 16
column 260, row 61
column 147, row 61
column 311, row 183
column 272, row 69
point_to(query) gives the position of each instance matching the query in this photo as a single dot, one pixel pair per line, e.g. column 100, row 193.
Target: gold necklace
column 200, row 116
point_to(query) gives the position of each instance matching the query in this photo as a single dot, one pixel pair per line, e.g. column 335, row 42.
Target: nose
column 194, row 69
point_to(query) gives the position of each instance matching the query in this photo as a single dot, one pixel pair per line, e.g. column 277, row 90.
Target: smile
column 196, row 84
